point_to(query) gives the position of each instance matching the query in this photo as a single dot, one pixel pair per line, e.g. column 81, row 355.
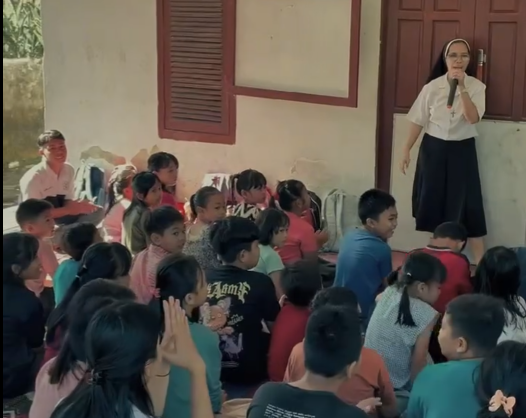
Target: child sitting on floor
column 333, row 343
column 251, row 186
column 246, row 302
column 59, row 377
column 447, row 244
column 500, row 382
column 207, row 206
column 371, row 379
column 365, row 258
column 302, row 241
column 166, row 233
column 23, row 318
column 76, row 239
column 498, row 275
column 120, row 195
column 180, row 277
column 165, row 166
column 34, row 217
column 273, row 227
column 110, row 261
column 401, row 325
column 470, row 330
column 300, row 283
column 147, row 194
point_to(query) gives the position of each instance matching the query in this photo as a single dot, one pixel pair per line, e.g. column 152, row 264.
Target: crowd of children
column 162, row 316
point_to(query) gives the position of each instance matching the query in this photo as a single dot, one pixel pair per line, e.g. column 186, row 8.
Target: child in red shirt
column 166, row 166
column 300, row 283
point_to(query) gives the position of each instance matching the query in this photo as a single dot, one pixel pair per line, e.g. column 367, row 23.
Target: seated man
column 53, row 179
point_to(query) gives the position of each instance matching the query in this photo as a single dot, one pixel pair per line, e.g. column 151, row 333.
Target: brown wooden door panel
column 501, row 31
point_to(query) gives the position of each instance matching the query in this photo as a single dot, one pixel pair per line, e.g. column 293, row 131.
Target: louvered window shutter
column 195, row 97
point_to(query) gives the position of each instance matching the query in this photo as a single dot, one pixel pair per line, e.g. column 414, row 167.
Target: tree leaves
column 22, row 29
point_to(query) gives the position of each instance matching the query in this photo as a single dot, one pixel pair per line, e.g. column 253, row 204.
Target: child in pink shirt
column 166, row 232
column 166, row 167
column 59, row 377
column 120, row 194
column 302, row 241
column 34, row 218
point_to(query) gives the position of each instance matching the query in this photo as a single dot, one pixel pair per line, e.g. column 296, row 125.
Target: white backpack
column 340, row 215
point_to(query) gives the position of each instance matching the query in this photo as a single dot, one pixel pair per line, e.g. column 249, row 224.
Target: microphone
column 452, row 91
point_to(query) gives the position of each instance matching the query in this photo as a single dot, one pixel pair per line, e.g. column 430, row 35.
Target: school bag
column 316, row 211
column 340, row 215
column 222, row 182
column 90, row 183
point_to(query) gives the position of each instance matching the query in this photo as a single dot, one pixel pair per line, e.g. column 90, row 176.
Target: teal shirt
column 269, row 261
column 64, row 276
column 445, row 391
column 178, row 396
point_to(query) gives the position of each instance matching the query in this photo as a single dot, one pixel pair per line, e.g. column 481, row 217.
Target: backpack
column 90, row 181
column 221, row 181
column 316, row 211
column 340, row 214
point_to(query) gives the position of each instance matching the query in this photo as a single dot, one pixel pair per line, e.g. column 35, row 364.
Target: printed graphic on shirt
column 274, row 412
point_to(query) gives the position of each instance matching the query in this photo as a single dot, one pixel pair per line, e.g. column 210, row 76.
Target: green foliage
column 22, row 29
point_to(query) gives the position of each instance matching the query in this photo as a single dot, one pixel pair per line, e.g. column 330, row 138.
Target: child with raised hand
column 120, row 195
column 180, row 277
column 35, row 218
column 500, row 384
column 165, row 166
column 128, row 367
column 59, row 377
column 166, row 233
column 273, row 227
column 245, row 300
column 470, row 330
column 207, row 206
column 110, row 261
column 498, row 275
column 76, row 239
column 403, row 320
column 23, row 318
column 251, row 186
column 300, row 283
column 147, row 194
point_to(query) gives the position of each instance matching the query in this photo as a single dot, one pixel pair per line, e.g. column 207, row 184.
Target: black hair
column 201, row 197
column 232, row 235
column 503, row 370
column 76, row 238
column 440, row 67
column 479, row 319
column 373, row 203
column 269, row 222
column 499, row 275
column 335, row 296
column 104, row 260
column 177, row 277
column 451, row 230
column 49, row 136
column 19, row 250
column 142, row 183
column 31, row 209
column 161, row 160
column 161, row 219
column 287, row 192
column 247, row 180
column 120, row 340
column 116, row 186
column 333, row 341
column 300, row 282
column 87, row 302
column 418, row 268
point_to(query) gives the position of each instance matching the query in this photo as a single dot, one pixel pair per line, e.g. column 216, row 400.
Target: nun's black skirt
column 447, row 186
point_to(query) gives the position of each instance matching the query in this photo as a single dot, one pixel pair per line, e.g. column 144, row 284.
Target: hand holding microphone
column 457, row 79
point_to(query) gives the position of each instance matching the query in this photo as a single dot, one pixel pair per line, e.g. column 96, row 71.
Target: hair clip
column 500, row 401
column 96, row 378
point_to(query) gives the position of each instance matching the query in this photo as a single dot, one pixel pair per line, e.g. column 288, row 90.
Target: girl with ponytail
column 401, row 324
column 110, row 261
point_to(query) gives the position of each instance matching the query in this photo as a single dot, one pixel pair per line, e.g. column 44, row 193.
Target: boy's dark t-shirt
column 280, row 400
column 248, row 299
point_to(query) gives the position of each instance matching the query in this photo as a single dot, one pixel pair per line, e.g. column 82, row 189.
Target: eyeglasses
column 456, row 57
